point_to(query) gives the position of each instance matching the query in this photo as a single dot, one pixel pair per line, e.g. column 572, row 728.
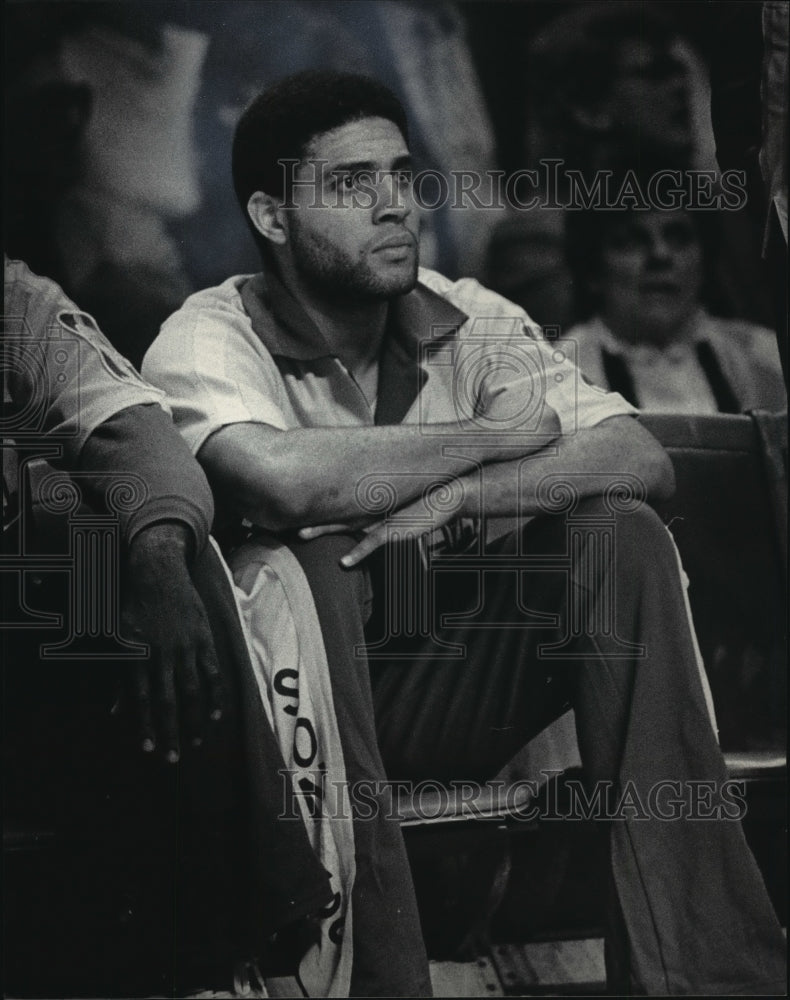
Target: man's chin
column 406, row 286
column 369, row 284
column 394, row 283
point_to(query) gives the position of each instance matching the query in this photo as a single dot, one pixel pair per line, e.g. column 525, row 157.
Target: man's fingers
column 190, row 706
column 322, row 529
column 143, row 697
column 378, row 534
column 374, row 538
column 167, row 710
column 215, row 687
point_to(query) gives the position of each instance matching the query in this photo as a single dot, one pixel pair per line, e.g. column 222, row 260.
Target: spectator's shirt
column 719, row 366
column 66, row 387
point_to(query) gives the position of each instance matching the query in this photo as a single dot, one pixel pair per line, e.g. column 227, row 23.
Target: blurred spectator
column 749, row 96
column 611, row 78
column 98, row 124
column 642, row 276
column 612, row 83
column 139, row 173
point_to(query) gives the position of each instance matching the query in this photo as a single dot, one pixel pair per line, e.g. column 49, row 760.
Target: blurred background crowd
column 119, row 119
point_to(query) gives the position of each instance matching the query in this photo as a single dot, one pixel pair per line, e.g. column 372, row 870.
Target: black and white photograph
column 395, row 452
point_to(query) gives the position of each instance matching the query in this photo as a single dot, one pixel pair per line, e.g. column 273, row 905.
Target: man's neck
column 353, row 328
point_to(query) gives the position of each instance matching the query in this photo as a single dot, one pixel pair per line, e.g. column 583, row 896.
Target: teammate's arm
column 177, row 688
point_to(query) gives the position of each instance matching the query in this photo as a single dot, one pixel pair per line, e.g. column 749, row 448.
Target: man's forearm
column 165, row 541
column 590, row 461
column 301, row 477
column 142, row 440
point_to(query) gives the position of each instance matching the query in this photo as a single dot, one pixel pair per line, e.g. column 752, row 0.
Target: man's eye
column 355, row 180
column 403, row 177
column 344, row 181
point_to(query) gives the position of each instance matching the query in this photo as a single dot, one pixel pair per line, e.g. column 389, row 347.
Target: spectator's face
column 650, row 97
column 651, row 275
column 353, row 230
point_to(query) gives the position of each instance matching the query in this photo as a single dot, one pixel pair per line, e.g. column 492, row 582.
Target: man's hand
column 179, row 686
column 445, row 501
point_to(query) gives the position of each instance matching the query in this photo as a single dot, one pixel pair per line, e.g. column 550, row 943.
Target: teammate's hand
column 179, row 687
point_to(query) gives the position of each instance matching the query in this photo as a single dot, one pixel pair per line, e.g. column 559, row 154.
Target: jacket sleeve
column 142, row 440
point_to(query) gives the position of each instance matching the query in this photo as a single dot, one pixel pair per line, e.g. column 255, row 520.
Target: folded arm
column 290, row 479
column 591, row 459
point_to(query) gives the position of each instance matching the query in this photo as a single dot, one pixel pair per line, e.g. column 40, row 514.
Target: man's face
column 651, row 274
column 353, row 228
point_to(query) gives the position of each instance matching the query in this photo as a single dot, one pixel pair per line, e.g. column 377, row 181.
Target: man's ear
column 267, row 216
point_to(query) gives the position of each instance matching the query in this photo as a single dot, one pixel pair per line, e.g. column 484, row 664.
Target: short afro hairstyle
column 281, row 122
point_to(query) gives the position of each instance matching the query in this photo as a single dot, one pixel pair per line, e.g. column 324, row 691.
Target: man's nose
column 394, row 201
